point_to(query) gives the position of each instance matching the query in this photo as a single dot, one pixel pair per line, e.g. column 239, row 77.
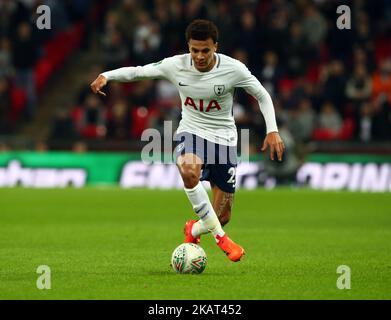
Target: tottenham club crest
column 219, row 89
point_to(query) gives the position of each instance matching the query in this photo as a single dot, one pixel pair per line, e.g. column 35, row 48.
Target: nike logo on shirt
column 183, row 85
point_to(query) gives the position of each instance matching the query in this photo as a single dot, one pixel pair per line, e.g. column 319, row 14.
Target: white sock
column 199, row 229
column 204, row 210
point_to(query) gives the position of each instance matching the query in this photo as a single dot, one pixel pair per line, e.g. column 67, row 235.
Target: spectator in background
column 362, row 32
column 381, row 127
column 373, row 121
column 143, row 93
column 111, row 24
column 270, row 73
column 194, row 9
column 147, row 39
column 364, row 122
column 288, row 100
column 295, row 50
column 6, row 69
column 62, row 126
column 168, row 98
column 298, row 91
column 276, row 32
column 41, row 146
column 24, row 58
column 243, row 120
column 127, row 13
column 241, row 96
column 338, row 43
column 119, row 122
column 167, row 94
column 284, row 7
column 90, row 123
column 360, row 56
column 314, row 28
column 334, row 82
column 381, row 101
column 312, row 92
column 80, row 12
column 177, row 23
column 115, row 51
column 116, row 93
column 162, row 17
column 4, row 147
column 240, row 54
column 12, row 13
column 381, row 82
column 247, row 31
column 7, row 8
column 5, row 106
column 285, row 171
column 359, row 86
column 282, row 114
column 329, row 119
column 80, row 147
column 156, row 120
column 302, row 121
column 225, row 22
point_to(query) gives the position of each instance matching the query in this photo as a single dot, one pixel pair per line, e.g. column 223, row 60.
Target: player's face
column 202, row 53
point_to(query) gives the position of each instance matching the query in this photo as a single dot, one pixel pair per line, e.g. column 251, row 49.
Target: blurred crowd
column 28, row 54
column 326, row 83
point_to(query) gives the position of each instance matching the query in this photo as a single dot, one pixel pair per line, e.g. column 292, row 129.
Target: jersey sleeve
column 252, row 86
column 157, row 70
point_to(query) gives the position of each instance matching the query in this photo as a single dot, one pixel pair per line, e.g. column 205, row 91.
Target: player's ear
column 216, row 45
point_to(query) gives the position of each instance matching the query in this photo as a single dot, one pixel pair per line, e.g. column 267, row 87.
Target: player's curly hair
column 201, row 29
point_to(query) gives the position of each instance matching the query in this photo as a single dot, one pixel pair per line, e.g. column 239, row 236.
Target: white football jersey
column 207, row 97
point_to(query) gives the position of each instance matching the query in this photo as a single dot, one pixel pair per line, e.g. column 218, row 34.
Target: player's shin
column 203, row 208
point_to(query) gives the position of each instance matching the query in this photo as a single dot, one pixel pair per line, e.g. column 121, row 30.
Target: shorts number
column 232, row 172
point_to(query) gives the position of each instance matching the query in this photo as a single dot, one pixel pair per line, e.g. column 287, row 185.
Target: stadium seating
column 56, row 51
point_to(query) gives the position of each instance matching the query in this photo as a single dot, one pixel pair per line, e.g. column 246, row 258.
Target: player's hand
column 98, row 84
column 275, row 143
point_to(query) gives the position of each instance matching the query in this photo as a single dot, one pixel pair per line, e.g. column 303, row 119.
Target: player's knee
column 190, row 176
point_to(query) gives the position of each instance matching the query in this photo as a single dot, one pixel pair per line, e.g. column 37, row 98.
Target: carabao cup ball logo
column 198, row 264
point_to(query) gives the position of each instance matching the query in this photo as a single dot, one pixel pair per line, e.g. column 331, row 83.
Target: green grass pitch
column 116, row 244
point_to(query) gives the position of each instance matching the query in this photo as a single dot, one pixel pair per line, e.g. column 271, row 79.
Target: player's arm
column 156, row 70
column 252, row 86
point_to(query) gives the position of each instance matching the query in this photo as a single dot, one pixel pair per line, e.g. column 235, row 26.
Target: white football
column 188, row 258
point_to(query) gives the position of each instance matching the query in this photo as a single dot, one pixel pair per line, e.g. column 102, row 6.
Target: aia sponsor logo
column 201, row 105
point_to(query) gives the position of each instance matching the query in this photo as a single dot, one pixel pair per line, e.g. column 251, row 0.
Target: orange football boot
column 231, row 249
column 188, row 236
